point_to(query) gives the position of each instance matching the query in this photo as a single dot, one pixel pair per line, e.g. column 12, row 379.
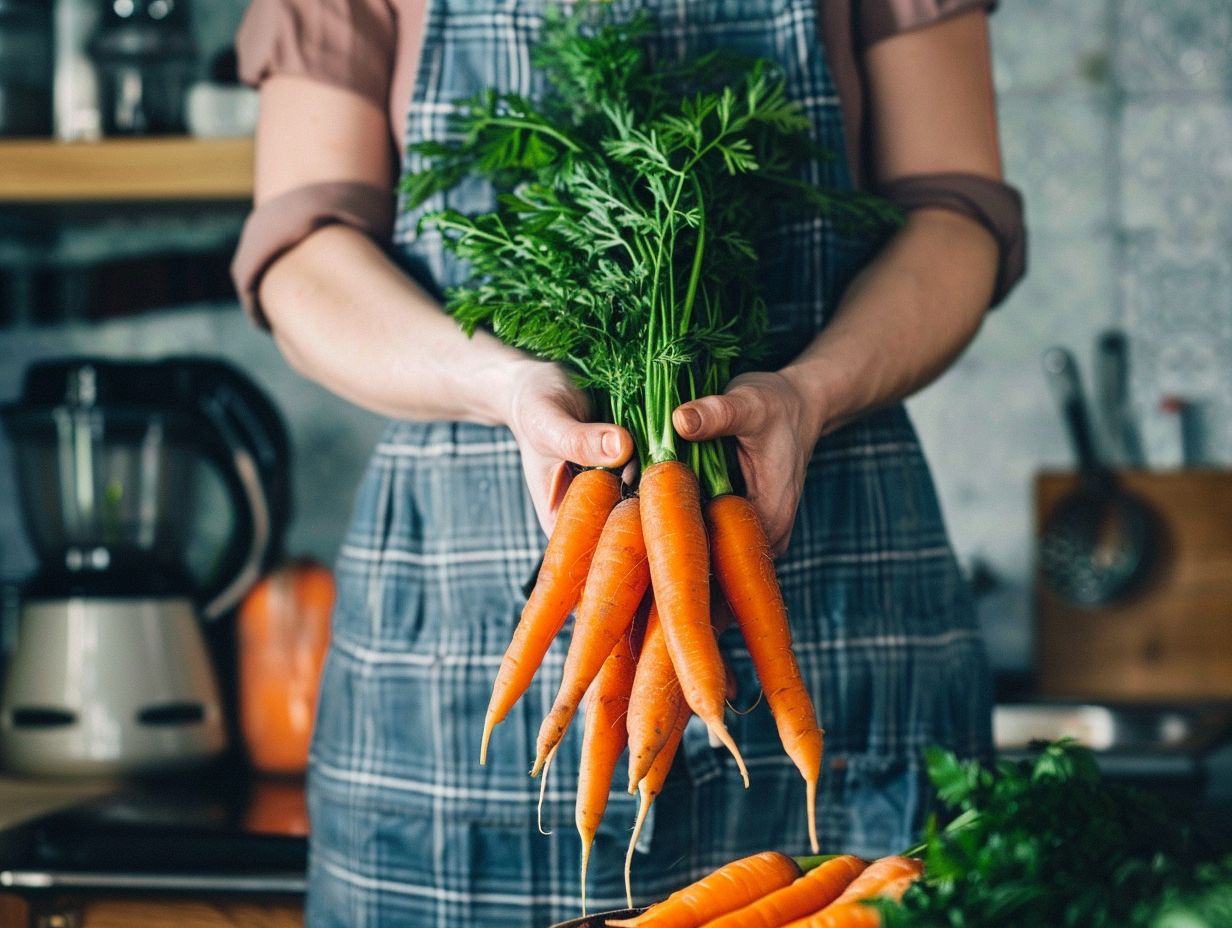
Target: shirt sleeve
column 278, row 225
column 346, row 43
column 992, row 203
column 879, row 19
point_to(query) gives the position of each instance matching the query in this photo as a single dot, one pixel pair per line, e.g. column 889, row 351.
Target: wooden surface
column 221, row 912
column 168, row 168
column 1172, row 637
column 192, row 913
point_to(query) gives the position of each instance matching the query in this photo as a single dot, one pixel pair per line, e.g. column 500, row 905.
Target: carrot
column 852, row 912
column 879, row 875
column 655, row 702
column 680, row 574
column 589, row 499
column 744, row 568
column 615, row 585
column 847, row 915
column 817, row 888
column 650, row 786
column 602, row 743
column 731, row 887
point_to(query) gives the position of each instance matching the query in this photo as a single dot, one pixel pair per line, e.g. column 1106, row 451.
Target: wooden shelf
column 166, row 168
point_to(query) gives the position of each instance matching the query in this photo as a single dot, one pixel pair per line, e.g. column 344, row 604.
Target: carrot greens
column 630, row 195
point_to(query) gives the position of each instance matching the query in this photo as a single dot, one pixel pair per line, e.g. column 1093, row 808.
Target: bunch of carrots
column 772, row 890
column 623, row 244
column 606, row 555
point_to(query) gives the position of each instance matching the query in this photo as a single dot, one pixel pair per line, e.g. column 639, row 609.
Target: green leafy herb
column 1050, row 843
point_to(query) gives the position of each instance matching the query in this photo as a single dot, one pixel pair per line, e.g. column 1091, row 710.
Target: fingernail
column 690, row 420
column 611, row 444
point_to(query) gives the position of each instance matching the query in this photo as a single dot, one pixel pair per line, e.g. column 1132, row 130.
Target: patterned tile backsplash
column 1116, row 120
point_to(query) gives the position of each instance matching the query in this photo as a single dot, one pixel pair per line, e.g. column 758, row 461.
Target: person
column 407, row 828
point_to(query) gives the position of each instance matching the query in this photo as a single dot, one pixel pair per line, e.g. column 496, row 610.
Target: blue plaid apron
column 408, row 829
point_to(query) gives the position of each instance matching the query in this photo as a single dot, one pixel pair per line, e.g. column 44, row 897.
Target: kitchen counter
column 212, row 832
column 26, row 798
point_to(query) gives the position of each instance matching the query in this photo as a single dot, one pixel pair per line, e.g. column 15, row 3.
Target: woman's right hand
column 547, row 415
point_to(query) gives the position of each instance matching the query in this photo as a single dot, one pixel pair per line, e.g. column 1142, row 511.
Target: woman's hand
column 547, row 415
column 775, row 431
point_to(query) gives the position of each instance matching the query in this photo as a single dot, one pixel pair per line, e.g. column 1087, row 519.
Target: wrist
column 496, row 386
column 816, row 384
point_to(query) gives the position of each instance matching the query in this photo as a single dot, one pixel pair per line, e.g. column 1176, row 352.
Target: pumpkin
column 283, row 635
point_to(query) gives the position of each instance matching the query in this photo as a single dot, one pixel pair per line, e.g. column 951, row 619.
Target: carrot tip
column 586, row 843
column 719, row 730
column 488, row 725
column 642, row 809
column 811, row 804
column 543, row 788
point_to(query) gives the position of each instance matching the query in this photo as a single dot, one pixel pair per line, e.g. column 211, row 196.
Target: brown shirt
column 372, row 47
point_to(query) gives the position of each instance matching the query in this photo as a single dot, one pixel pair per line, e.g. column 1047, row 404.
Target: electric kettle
column 154, row 494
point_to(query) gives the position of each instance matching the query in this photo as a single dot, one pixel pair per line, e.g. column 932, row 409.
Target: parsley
column 1051, row 844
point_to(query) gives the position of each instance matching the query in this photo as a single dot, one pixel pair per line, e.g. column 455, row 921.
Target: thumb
column 738, row 412
column 560, row 435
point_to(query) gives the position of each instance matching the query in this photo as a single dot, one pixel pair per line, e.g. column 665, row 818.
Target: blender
column 154, row 495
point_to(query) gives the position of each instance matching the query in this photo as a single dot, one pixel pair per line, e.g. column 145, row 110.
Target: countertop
column 26, row 798
column 220, row 831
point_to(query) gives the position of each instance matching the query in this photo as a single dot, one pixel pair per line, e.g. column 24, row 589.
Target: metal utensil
column 1097, row 542
column 1121, row 440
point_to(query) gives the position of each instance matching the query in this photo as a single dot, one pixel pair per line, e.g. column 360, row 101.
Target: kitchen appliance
column 1097, row 542
column 146, row 57
column 154, row 495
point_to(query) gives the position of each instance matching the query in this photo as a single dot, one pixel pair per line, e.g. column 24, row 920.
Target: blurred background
column 1116, row 124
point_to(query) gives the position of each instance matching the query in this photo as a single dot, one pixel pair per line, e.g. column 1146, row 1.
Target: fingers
column 557, row 434
column 740, row 411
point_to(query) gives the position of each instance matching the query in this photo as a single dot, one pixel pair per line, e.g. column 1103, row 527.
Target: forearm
column 902, row 321
column 347, row 317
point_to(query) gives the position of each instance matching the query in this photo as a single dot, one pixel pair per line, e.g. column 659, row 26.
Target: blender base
column 109, row 686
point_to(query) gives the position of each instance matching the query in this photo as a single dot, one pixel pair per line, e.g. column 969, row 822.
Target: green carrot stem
column 813, row 862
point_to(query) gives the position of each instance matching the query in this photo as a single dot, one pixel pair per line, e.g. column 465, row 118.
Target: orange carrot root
column 679, row 559
column 744, row 567
column 654, row 703
column 649, row 787
column 807, row 895
column 589, row 499
column 727, row 889
column 604, row 738
column 615, row 586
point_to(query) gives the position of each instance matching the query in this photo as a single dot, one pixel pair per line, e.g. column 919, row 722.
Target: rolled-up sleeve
column 278, row 225
column 992, row 203
column 879, row 19
column 345, row 43
column 348, row 44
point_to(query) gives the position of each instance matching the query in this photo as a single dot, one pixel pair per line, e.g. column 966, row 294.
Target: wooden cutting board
column 1171, row 638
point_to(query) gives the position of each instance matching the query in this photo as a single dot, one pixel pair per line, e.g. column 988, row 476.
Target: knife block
column 1170, row 637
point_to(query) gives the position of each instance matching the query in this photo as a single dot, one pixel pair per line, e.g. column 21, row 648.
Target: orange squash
column 282, row 638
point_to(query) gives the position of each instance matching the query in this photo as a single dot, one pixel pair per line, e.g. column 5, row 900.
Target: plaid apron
column 408, row 829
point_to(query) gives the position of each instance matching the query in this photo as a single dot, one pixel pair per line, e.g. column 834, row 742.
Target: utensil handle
column 1112, row 397
column 1061, row 372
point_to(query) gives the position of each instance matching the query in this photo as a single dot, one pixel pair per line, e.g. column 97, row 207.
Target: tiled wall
column 1116, row 122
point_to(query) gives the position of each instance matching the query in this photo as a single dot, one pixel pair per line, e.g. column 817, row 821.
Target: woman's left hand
column 775, row 431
